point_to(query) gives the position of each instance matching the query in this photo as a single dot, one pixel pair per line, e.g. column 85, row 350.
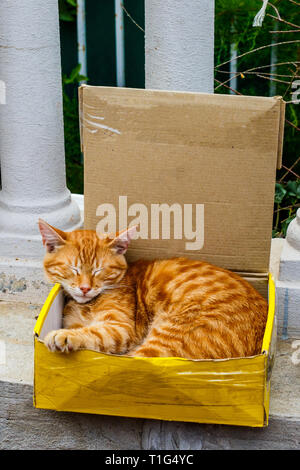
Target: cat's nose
column 85, row 289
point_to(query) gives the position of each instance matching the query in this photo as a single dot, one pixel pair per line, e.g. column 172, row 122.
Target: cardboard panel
column 219, row 152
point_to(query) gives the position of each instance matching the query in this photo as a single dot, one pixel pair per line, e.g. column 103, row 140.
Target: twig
column 290, row 171
column 272, row 74
column 272, row 79
column 293, row 125
column 289, row 87
column 286, row 208
column 260, row 75
column 258, row 49
column 276, row 10
column 129, row 16
column 283, row 21
column 261, row 67
column 287, row 31
column 226, row 86
column 291, row 167
column 226, row 81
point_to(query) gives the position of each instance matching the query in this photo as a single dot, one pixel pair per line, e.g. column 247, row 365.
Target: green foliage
column 67, row 10
column 74, row 164
column 75, row 76
column 287, row 201
column 233, row 24
column 74, row 161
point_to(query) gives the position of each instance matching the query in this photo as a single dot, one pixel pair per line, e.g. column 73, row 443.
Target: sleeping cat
column 175, row 307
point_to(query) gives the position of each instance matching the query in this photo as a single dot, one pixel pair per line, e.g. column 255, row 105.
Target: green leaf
column 67, row 10
column 75, row 72
column 280, row 192
column 66, row 16
column 291, row 188
column 74, row 77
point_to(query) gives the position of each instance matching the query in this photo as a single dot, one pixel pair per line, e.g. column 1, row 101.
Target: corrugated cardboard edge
column 280, row 131
column 282, row 106
column 80, row 107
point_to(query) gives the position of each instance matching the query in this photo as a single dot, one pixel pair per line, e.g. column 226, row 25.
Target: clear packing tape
column 230, row 391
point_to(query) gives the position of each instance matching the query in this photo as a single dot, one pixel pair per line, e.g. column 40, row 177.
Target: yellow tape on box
column 230, row 391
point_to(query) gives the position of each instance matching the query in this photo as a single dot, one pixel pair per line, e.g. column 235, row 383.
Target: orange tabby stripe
column 178, row 306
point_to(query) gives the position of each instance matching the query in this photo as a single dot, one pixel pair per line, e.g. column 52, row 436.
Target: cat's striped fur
column 175, row 307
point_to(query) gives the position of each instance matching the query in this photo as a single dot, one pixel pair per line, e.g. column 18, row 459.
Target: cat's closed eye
column 97, row 271
column 74, row 270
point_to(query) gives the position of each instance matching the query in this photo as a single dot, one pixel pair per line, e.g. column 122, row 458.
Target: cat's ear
column 52, row 237
column 121, row 241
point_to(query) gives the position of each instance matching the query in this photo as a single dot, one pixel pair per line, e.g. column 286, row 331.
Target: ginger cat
column 176, row 307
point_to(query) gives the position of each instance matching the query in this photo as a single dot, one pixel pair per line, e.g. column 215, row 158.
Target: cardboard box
column 157, row 147
column 225, row 391
column 172, row 157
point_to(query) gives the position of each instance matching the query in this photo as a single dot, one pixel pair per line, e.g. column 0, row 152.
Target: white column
column 288, row 285
column 179, row 45
column 120, row 46
column 31, row 128
column 81, row 38
column 233, row 64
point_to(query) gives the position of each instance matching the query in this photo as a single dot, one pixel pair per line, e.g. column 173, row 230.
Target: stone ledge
column 23, row 427
column 23, row 280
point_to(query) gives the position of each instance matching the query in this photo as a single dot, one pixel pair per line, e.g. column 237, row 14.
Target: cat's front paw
column 62, row 340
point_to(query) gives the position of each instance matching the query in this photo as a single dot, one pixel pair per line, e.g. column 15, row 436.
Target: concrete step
column 24, row 427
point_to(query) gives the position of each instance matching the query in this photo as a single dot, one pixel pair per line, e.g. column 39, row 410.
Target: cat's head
column 83, row 263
